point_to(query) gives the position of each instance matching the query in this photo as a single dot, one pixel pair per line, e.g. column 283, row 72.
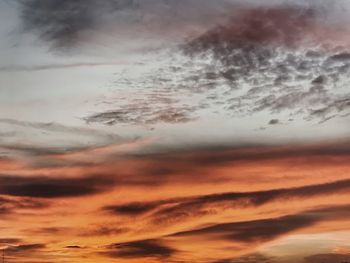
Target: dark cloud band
column 51, row 187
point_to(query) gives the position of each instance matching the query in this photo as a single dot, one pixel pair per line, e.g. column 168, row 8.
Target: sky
column 174, row 131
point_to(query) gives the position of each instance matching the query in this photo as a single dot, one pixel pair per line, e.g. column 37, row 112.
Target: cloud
column 148, row 108
column 22, row 249
column 60, row 128
column 140, row 249
column 261, row 26
column 103, row 230
column 35, row 150
column 241, row 236
column 180, row 209
column 9, row 241
column 46, row 139
column 21, row 252
column 53, row 187
column 251, row 258
column 10, row 206
column 329, row 258
column 274, row 122
column 65, row 24
column 93, row 171
column 57, row 21
column 212, row 155
column 73, row 247
column 264, row 230
column 195, row 164
column 134, row 208
column 143, row 115
column 53, row 66
column 267, row 49
column 49, row 231
column 279, row 52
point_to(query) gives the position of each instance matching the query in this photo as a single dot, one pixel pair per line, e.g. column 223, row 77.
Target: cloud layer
column 175, row 131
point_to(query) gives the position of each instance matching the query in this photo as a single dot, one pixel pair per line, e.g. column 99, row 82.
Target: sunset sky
column 175, row 131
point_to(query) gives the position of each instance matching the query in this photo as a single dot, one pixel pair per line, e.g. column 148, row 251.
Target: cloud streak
column 165, row 212
column 260, row 231
column 51, row 187
column 140, row 249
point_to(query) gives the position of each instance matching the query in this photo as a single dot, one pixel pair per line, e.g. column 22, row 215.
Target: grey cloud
column 59, row 128
column 52, row 66
column 64, row 23
column 45, row 150
column 148, row 108
column 59, row 22
column 274, row 122
column 260, row 61
column 143, row 115
column 301, row 80
column 84, row 138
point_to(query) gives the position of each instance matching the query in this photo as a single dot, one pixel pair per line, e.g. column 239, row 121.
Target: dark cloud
column 65, row 23
column 205, row 204
column 103, row 230
column 24, row 248
column 133, row 208
column 49, row 231
column 73, row 247
column 333, row 109
column 274, row 122
column 53, row 187
column 263, row 49
column 58, row 21
column 195, row 163
column 63, row 129
column 9, row 241
column 264, row 230
column 252, row 50
column 206, row 156
column 52, row 66
column 140, row 249
column 35, row 150
column 9, row 206
column 329, row 258
column 245, row 232
column 27, row 252
column 162, row 166
column 150, row 109
column 251, row 258
column 255, row 48
column 261, row 60
column 163, row 211
column 262, row 26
